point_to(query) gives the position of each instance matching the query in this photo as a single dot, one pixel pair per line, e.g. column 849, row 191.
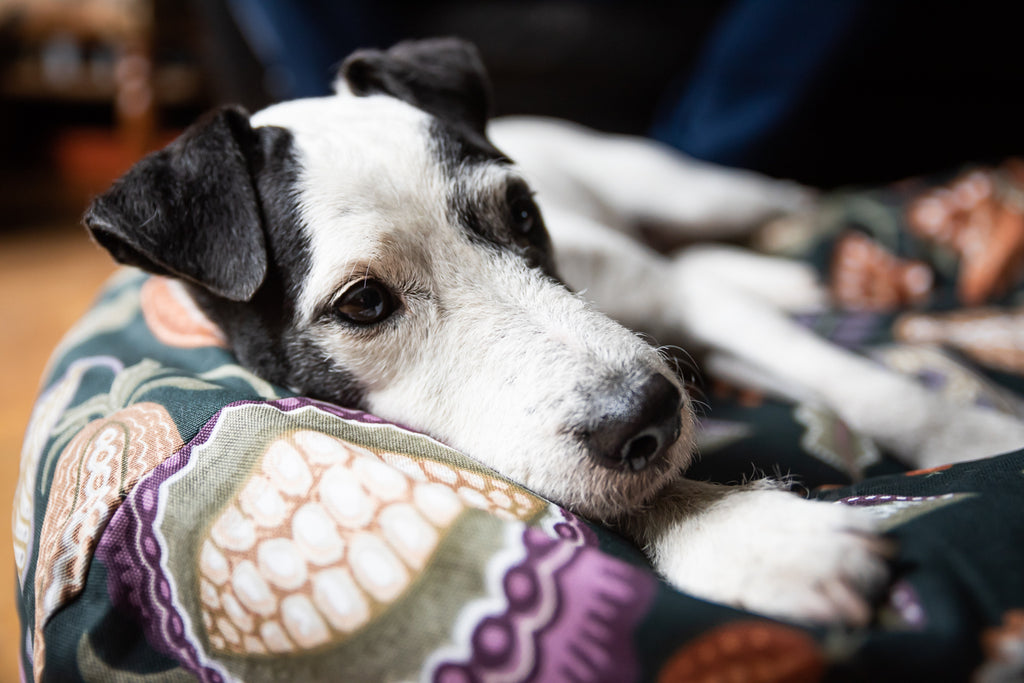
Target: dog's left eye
column 525, row 214
column 365, row 302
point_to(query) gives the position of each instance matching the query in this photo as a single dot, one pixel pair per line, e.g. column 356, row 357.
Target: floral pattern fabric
column 178, row 518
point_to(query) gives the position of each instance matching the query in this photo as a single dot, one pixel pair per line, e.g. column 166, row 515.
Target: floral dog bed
column 179, row 518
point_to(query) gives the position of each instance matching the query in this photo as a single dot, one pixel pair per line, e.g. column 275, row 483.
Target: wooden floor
column 48, row 277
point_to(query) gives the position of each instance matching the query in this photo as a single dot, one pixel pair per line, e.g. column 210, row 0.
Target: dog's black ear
column 442, row 76
column 190, row 210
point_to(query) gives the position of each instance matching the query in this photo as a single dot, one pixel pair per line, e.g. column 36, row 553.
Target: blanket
column 179, row 518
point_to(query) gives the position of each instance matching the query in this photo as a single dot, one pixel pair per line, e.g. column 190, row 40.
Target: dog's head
column 372, row 248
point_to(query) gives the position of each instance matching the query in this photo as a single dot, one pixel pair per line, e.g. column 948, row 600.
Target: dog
column 375, row 248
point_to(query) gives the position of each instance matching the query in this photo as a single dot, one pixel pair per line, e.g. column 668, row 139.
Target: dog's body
column 375, row 249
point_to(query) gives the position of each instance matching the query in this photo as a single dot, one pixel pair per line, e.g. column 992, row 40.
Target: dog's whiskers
column 700, row 407
column 683, row 364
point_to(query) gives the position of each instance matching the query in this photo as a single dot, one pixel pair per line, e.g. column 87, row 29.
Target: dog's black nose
column 638, row 425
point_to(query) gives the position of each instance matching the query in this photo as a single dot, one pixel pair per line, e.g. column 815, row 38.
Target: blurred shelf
column 26, row 79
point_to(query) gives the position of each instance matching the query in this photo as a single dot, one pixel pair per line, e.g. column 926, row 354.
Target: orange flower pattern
column 173, row 317
column 867, row 277
column 1003, row 646
column 748, row 651
column 980, row 217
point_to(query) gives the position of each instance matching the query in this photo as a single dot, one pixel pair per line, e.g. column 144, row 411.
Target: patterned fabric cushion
column 179, row 518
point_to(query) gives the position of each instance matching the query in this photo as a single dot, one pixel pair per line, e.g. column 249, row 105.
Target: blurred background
column 828, row 93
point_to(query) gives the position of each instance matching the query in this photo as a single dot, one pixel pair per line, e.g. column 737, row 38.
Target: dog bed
column 177, row 517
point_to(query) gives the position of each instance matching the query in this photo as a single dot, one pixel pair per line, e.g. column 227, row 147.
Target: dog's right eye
column 366, row 302
column 524, row 213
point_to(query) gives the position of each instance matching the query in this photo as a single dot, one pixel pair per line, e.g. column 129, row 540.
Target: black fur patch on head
column 442, row 76
column 489, row 214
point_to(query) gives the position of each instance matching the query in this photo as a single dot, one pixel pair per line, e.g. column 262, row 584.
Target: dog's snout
column 639, row 427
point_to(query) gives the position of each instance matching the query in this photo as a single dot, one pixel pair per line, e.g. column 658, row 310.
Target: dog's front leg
column 766, row 550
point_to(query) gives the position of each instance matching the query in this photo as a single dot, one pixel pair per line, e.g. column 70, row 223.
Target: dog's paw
column 772, row 552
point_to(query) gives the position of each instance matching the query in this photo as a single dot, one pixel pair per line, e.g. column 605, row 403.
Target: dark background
column 827, row 92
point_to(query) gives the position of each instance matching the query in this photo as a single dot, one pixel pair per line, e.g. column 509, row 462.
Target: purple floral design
column 570, row 612
column 133, row 552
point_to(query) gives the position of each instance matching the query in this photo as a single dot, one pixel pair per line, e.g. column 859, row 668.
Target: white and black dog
column 375, row 249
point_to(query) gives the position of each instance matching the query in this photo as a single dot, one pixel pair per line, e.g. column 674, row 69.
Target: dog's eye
column 525, row 214
column 366, row 302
